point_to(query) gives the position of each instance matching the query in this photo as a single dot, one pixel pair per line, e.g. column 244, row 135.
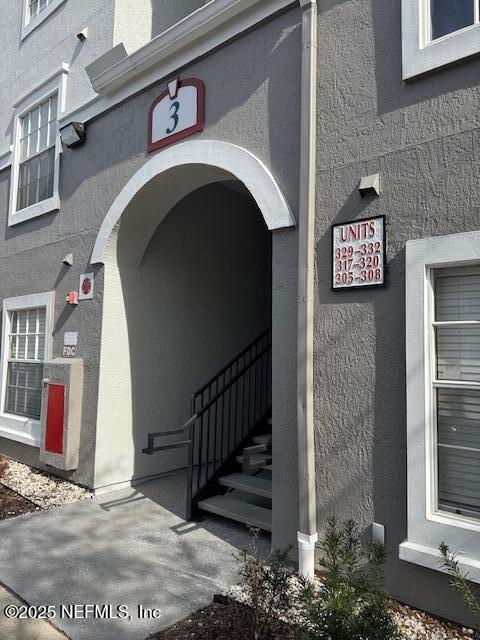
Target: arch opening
column 187, row 284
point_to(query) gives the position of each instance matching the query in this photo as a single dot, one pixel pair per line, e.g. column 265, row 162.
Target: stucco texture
column 248, row 103
column 423, row 137
column 198, row 295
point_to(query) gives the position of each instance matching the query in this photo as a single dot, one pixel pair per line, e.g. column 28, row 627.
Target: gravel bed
column 41, row 488
column 413, row 624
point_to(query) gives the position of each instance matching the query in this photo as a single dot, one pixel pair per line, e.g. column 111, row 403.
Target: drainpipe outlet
column 306, row 554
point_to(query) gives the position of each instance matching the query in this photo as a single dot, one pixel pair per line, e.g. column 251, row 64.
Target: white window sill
column 42, row 16
column 24, row 430
column 38, row 209
column 431, row 559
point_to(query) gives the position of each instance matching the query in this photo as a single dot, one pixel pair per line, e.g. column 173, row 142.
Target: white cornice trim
column 6, row 158
column 196, row 35
column 63, row 68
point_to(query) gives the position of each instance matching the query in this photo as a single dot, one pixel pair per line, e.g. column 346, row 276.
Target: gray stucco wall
column 166, row 13
column 248, row 103
column 28, row 62
column 424, row 139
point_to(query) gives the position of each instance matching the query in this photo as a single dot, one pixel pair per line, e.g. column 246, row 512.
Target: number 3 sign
column 178, row 113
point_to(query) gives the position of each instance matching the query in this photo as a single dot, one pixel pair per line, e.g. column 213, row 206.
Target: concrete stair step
column 248, row 484
column 263, row 438
column 259, row 460
column 240, row 511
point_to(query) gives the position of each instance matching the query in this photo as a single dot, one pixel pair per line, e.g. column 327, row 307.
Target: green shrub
column 459, row 580
column 351, row 603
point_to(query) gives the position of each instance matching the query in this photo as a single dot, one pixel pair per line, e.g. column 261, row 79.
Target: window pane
column 43, row 138
column 458, row 414
column 24, row 389
column 42, row 319
column 458, row 353
column 53, row 108
column 448, row 16
column 34, row 115
column 22, row 200
column 41, row 348
column 36, row 179
column 33, row 8
column 44, row 113
column 22, row 321
column 457, row 295
column 21, row 347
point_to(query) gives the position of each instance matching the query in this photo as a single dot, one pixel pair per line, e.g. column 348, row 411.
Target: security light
column 370, row 185
column 73, row 134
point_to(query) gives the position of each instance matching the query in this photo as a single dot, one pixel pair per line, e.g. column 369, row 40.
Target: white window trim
column 55, row 83
column 420, row 54
column 29, row 26
column 428, row 527
column 13, row 427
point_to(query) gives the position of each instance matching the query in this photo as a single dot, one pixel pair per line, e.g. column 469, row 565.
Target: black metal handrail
column 233, row 364
column 242, row 398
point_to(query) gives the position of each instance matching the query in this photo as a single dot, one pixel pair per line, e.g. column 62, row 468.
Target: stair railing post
column 188, row 511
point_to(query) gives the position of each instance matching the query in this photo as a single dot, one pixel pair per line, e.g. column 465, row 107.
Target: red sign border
column 199, row 126
column 384, row 252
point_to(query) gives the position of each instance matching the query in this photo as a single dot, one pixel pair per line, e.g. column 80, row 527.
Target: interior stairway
column 228, row 440
column 246, row 495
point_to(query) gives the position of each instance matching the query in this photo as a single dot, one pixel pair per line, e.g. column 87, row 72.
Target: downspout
column 307, row 535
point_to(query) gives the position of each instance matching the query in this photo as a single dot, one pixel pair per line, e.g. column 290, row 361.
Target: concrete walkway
column 123, row 549
column 23, row 629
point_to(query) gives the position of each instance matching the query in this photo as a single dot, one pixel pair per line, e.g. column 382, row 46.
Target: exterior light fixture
column 83, row 34
column 370, row 185
column 73, row 134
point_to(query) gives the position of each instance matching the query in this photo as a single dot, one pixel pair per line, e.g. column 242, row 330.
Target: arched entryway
column 186, row 248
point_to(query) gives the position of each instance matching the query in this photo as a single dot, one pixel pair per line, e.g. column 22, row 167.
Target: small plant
column 459, row 580
column 351, row 603
column 267, row 589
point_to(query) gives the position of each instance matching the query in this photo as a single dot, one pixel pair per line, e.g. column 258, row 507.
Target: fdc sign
column 178, row 113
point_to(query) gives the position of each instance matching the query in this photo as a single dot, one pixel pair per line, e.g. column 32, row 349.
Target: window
column 35, row 7
column 436, row 33
column 36, row 150
column 443, row 399
column 447, row 17
column 26, row 344
column 35, row 12
column 37, row 154
column 456, row 389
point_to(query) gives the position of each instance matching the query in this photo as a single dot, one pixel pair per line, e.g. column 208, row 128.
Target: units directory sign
column 359, row 253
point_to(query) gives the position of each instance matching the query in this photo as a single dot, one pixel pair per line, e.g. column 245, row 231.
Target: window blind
column 25, row 362
column 457, row 400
